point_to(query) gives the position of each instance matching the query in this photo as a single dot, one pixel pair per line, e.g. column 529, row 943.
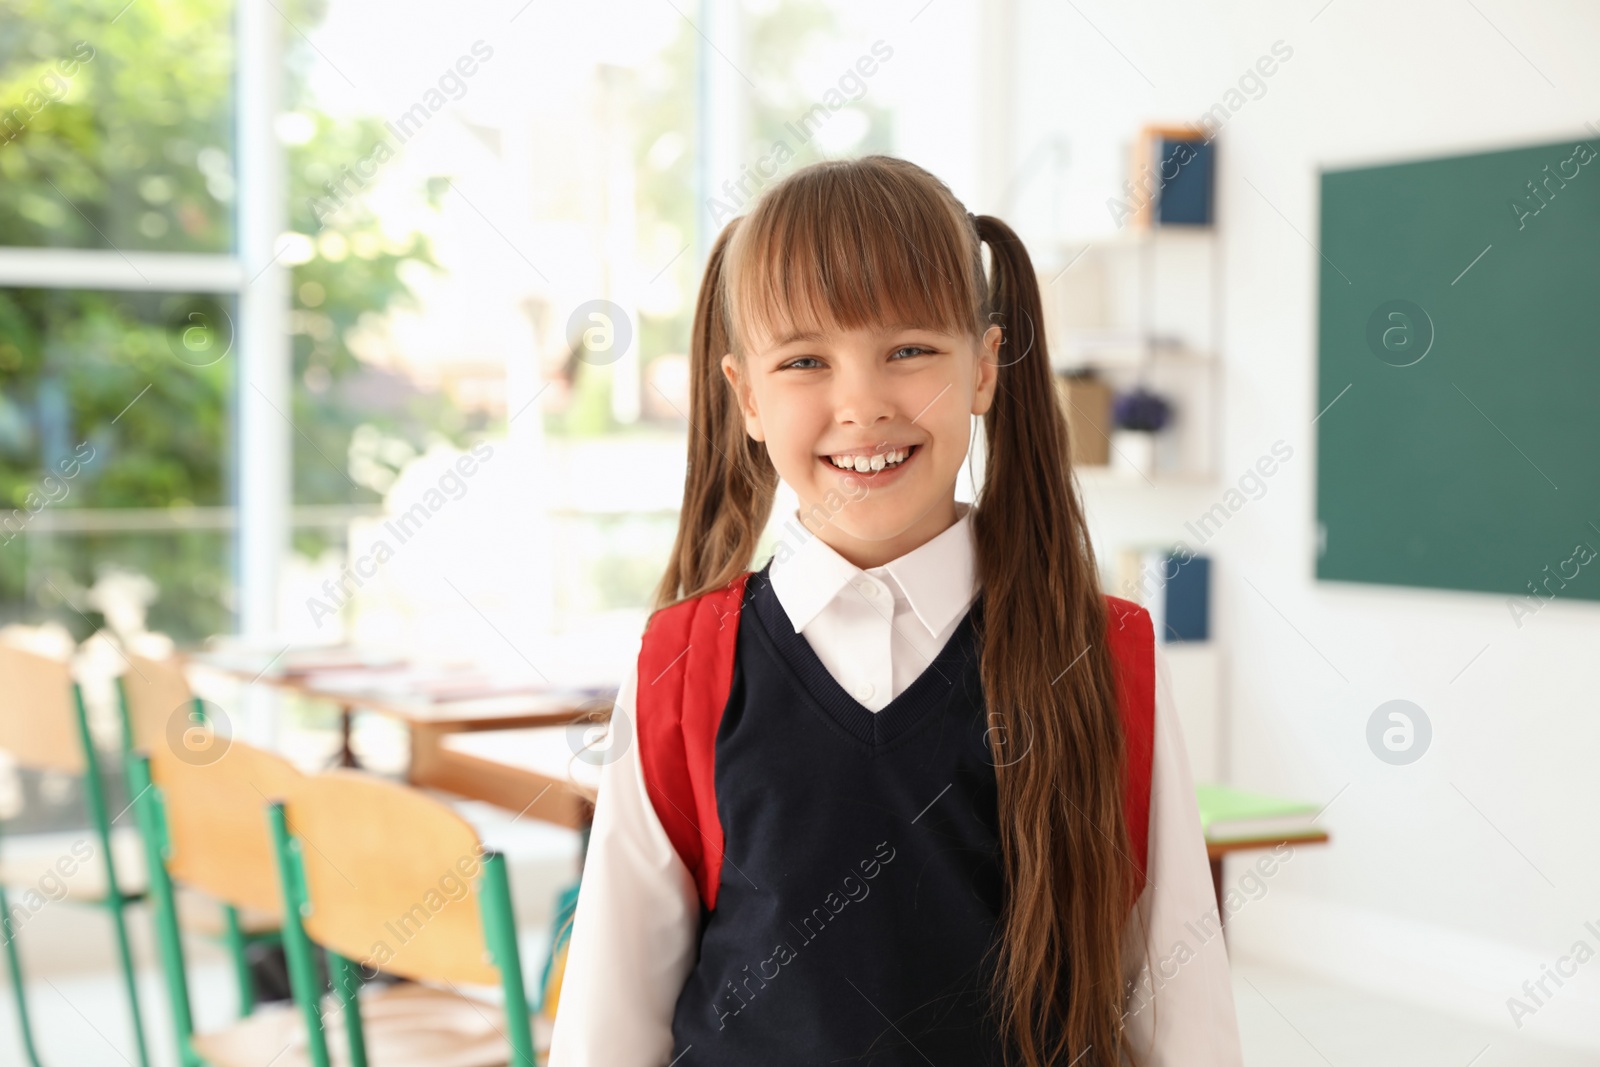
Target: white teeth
column 876, row 462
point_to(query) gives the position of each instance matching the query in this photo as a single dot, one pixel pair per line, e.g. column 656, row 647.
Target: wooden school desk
column 428, row 721
column 1217, row 850
column 535, row 770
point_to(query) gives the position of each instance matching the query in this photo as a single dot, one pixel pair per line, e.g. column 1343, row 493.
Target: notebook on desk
column 1228, row 814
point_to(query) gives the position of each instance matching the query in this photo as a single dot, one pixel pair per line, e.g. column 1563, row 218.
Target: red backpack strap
column 685, row 676
column 1133, row 657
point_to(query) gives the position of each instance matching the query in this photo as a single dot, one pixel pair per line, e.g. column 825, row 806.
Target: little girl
column 914, row 791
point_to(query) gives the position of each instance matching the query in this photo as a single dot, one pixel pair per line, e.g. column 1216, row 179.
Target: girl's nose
column 861, row 399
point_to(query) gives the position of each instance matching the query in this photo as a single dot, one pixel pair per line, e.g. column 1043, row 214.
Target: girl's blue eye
column 810, row 362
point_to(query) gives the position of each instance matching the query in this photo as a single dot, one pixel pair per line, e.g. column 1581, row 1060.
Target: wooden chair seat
column 24, row 866
column 410, row 1025
column 406, row 1025
column 271, row 1035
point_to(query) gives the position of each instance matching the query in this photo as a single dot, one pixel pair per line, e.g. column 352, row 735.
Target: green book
column 1234, row 815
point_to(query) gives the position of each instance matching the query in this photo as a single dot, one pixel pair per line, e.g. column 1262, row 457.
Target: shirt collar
column 938, row 578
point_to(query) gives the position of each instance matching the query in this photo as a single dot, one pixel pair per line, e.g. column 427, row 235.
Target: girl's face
column 869, row 427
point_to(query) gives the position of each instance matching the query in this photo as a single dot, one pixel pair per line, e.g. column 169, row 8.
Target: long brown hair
column 859, row 242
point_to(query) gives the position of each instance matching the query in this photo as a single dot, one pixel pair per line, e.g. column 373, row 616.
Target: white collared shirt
column 876, row 630
column 637, row 921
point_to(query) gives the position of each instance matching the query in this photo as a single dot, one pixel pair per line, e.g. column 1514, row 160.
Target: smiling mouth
column 888, row 460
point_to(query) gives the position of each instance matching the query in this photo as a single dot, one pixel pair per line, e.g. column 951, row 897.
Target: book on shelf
column 1174, row 588
column 1174, row 170
column 1228, row 814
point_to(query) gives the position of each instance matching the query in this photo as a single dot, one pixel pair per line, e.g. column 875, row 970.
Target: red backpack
column 686, row 674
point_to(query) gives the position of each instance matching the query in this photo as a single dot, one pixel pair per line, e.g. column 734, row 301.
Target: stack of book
column 1228, row 815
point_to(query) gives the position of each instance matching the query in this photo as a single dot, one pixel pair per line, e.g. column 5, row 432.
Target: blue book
column 1187, row 602
column 1185, row 200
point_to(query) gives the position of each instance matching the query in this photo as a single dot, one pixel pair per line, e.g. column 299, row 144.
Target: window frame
column 263, row 434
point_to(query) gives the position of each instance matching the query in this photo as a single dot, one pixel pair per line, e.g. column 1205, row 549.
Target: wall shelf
column 1142, row 307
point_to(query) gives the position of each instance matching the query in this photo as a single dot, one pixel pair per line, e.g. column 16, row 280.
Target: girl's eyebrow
column 815, row 336
column 800, row 335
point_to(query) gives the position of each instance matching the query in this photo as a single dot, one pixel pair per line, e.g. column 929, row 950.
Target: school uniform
column 843, row 904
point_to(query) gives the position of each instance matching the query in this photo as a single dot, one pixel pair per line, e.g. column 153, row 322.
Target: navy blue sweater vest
column 860, row 879
column 847, row 861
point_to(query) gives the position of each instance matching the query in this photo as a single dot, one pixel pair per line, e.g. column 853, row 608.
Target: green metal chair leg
column 233, row 934
column 14, row 965
column 116, row 900
column 500, row 929
column 296, row 945
column 119, row 922
column 347, row 984
column 169, row 939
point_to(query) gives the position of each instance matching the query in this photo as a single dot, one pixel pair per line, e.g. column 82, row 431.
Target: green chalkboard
column 1458, row 434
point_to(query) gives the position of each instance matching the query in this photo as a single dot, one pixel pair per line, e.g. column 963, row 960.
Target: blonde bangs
column 849, row 245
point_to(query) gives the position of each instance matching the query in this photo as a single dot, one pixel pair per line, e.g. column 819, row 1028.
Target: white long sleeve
column 635, row 928
column 1180, row 1011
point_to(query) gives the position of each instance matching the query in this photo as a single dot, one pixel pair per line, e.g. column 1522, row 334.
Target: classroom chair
column 161, row 714
column 385, row 878
column 43, row 725
column 156, row 702
column 205, row 829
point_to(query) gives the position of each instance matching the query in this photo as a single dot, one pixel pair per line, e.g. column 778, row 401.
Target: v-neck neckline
column 875, row 728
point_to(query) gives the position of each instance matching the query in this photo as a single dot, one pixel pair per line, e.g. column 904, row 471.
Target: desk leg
column 427, row 757
column 1216, row 887
column 347, row 755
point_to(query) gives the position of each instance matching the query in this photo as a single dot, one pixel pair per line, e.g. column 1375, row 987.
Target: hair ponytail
column 730, row 483
column 1048, row 687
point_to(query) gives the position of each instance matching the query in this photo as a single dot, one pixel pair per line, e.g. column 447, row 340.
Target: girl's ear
column 734, row 372
column 988, row 370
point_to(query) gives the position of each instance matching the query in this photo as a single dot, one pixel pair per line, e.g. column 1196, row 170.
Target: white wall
column 1452, row 880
